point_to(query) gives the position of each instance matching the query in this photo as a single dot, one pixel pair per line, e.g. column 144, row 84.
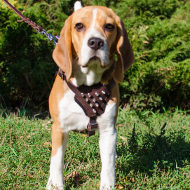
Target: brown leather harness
column 92, row 99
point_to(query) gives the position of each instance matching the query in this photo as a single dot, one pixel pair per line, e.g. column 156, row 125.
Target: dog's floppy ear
column 62, row 54
column 124, row 52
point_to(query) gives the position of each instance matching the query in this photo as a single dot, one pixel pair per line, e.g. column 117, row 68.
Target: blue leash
column 50, row 36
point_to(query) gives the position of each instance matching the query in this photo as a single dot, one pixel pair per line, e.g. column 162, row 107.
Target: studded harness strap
column 92, row 99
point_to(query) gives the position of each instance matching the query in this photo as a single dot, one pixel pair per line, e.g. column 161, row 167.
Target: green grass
column 153, row 152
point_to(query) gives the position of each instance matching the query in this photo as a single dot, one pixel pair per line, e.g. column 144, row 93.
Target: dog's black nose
column 95, row 43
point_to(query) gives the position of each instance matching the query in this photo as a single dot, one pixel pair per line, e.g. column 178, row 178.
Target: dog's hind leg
column 59, row 141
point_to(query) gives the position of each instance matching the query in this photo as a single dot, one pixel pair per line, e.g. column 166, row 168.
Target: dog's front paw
column 54, row 185
column 105, row 187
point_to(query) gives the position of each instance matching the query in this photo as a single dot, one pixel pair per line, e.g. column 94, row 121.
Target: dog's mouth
column 94, row 60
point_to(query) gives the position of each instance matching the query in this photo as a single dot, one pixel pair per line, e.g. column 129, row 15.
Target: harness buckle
column 92, row 125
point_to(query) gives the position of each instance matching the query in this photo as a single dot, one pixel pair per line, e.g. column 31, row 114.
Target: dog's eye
column 109, row 27
column 79, row 26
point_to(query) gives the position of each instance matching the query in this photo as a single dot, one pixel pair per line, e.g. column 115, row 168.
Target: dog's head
column 93, row 35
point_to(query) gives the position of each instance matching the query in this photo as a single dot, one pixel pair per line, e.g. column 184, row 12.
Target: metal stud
column 100, row 98
column 103, row 92
column 94, row 100
column 97, row 105
column 86, row 99
column 82, row 94
column 94, row 110
column 96, row 93
column 89, row 95
column 91, row 105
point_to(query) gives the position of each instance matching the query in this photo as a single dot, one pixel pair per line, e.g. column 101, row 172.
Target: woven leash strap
column 92, row 99
column 39, row 29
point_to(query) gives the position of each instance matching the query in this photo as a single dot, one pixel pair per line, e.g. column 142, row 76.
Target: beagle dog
column 89, row 41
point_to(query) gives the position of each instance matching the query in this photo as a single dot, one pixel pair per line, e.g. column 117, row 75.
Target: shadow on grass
column 75, row 181
column 168, row 152
column 29, row 113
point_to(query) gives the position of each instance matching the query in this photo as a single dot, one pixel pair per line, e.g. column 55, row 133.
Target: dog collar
column 92, row 99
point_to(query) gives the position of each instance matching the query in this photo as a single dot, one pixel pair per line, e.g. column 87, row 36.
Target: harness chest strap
column 92, row 99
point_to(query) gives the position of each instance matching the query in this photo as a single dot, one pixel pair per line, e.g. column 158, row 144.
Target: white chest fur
column 72, row 116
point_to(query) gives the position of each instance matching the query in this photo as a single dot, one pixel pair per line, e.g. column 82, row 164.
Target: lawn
column 153, row 152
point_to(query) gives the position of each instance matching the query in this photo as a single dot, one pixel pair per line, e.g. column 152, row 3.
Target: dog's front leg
column 107, row 145
column 59, row 141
